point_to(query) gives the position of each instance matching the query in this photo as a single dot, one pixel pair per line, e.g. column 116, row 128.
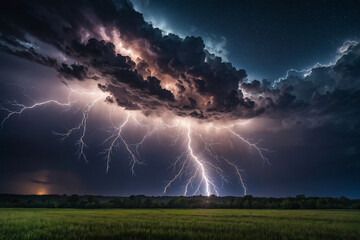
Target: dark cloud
column 170, row 72
column 94, row 57
column 30, row 54
column 73, row 71
column 101, row 55
column 330, row 91
column 40, row 182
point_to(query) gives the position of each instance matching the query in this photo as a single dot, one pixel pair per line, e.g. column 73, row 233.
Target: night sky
column 191, row 97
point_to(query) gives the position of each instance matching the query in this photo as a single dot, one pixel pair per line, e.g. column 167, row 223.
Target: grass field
column 178, row 224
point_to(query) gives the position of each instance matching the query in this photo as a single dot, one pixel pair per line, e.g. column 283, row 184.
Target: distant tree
column 343, row 201
column 63, row 204
column 107, row 204
column 93, row 202
column 73, row 200
column 82, row 204
column 178, row 202
column 140, row 201
column 322, row 203
column 356, row 205
column 135, row 202
column 126, row 203
column 148, row 203
column 257, row 204
column 248, row 197
column 247, row 204
column 51, row 204
column 32, row 204
column 91, row 205
column 287, row 204
column 238, row 203
column 300, row 197
column 117, row 202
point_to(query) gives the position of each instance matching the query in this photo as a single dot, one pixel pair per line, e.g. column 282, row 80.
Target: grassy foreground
column 178, row 224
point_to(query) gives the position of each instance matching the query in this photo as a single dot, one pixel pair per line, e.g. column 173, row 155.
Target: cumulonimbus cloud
column 143, row 69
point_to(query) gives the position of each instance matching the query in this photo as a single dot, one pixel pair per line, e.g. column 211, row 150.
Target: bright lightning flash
column 198, row 162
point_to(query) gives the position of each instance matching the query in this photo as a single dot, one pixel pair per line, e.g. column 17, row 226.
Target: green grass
column 178, row 224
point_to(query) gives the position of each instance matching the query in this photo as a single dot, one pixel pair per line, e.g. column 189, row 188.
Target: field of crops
column 178, row 224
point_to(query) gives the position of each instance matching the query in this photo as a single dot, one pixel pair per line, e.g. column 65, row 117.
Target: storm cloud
column 143, row 69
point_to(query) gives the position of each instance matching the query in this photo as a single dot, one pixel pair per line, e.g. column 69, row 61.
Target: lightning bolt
column 23, row 108
column 115, row 138
column 196, row 163
column 199, row 165
column 208, row 149
column 82, row 126
column 202, row 166
column 179, row 173
column 208, row 182
column 148, row 134
column 255, row 146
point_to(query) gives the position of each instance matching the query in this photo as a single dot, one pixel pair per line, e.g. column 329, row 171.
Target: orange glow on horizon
column 41, row 191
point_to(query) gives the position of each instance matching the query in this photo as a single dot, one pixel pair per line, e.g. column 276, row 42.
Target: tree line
column 141, row 201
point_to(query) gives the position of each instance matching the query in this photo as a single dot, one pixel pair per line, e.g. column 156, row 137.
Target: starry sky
column 283, row 75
